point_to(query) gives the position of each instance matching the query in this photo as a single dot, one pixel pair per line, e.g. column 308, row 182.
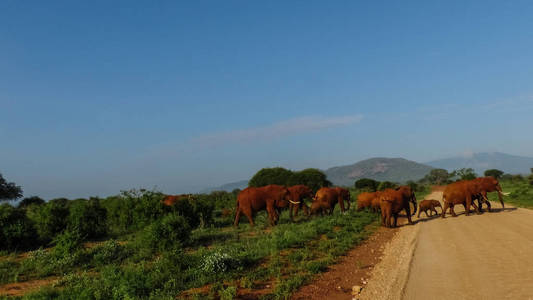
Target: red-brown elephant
column 298, row 194
column 460, row 192
column 486, row 185
column 170, row 200
column 392, row 202
column 430, row 205
column 326, row 198
column 368, row 200
column 254, row 199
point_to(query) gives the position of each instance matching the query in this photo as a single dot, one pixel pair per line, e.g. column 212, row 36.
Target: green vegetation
column 494, row 173
column 313, row 178
column 520, row 189
column 9, row 190
column 368, row 184
column 130, row 246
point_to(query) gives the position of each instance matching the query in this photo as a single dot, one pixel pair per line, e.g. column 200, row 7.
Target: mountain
column 228, row 187
column 379, row 168
column 483, row 161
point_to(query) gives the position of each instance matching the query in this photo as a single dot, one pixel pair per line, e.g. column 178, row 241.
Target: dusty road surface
column 488, row 256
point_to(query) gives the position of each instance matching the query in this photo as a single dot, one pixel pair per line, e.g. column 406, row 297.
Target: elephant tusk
column 294, row 202
column 506, row 194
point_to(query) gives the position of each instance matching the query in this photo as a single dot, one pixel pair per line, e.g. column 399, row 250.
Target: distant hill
column 228, row 187
column 379, row 168
column 483, row 161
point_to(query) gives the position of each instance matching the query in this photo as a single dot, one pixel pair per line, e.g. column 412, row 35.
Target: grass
column 217, row 262
column 521, row 193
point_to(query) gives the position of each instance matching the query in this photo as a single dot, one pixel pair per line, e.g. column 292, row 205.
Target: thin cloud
column 277, row 130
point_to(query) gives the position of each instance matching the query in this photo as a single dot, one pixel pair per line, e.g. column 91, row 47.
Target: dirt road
column 488, row 256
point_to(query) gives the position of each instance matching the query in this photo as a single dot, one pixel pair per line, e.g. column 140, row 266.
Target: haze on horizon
column 105, row 96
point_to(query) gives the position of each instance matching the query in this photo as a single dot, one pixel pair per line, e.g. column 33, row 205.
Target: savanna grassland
column 132, row 246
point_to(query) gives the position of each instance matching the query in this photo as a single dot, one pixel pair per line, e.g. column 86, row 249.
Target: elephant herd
column 390, row 202
column 273, row 198
column 464, row 192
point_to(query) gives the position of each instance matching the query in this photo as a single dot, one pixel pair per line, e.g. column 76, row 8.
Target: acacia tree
column 494, row 173
column 9, row 190
column 465, row 174
column 437, row 176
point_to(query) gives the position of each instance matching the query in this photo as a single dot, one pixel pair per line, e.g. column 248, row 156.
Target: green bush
column 67, row 242
column 186, row 208
column 88, row 219
column 50, row 219
column 169, row 232
column 133, row 210
column 34, row 200
column 109, row 252
column 16, row 230
column 204, row 207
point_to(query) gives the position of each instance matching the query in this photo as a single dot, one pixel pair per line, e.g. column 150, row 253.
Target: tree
column 494, row 173
column 313, row 178
column 367, row 183
column 437, row 176
column 34, row 200
column 9, row 190
column 465, row 174
column 387, row 185
column 268, row 176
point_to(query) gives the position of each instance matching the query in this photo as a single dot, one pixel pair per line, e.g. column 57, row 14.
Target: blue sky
column 98, row 97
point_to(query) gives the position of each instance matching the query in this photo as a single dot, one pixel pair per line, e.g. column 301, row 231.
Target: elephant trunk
column 500, row 196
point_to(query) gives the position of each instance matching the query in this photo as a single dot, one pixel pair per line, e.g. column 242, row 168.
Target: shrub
column 204, row 207
column 50, row 219
column 219, row 262
column 67, row 242
column 133, row 210
column 228, row 293
column 185, row 208
column 109, row 252
column 16, row 230
column 88, row 219
column 169, row 232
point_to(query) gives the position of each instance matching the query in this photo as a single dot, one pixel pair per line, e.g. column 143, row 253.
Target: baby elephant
column 430, row 205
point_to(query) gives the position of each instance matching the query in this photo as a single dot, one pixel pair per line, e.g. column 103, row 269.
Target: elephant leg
column 237, row 217
column 426, row 212
column 452, row 210
column 271, row 214
column 395, row 220
column 444, row 209
column 419, row 211
column 408, row 212
column 248, row 213
column 484, row 196
column 305, row 208
column 296, row 209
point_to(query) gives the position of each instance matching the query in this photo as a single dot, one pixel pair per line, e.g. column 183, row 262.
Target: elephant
column 253, row 199
column 486, row 185
column 326, row 198
column 368, row 200
column 460, row 192
column 393, row 201
column 170, row 200
column 430, row 205
column 298, row 193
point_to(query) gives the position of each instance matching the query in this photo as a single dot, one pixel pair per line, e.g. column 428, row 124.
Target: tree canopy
column 464, row 174
column 367, row 183
column 9, row 190
column 437, row 176
column 313, row 178
column 494, row 173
